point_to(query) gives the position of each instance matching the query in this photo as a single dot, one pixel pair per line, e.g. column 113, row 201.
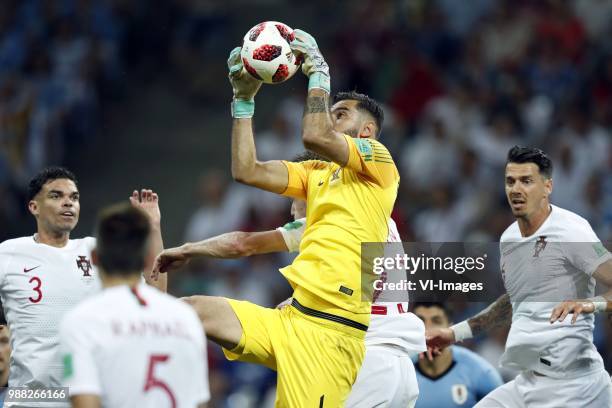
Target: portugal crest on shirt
column 459, row 393
column 84, row 265
column 539, row 246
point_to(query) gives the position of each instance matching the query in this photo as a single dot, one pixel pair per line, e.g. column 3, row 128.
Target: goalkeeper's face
column 352, row 121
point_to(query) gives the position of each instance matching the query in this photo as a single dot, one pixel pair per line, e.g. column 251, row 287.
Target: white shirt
column 399, row 327
column 38, row 285
column 135, row 348
column 555, row 263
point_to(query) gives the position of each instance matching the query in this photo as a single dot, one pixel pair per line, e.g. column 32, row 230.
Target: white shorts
column 386, row 379
column 530, row 390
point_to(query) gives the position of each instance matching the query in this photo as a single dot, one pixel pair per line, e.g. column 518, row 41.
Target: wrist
column 600, row 304
column 187, row 249
column 319, row 80
column 243, row 108
column 462, row 331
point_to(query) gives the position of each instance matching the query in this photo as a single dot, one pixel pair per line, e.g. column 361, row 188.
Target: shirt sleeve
column 371, row 159
column 587, row 252
column 80, row 373
column 5, row 257
column 297, row 185
column 292, row 234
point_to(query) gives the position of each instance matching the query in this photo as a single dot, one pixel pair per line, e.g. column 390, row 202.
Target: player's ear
column 548, row 186
column 33, row 207
column 94, row 257
column 368, row 130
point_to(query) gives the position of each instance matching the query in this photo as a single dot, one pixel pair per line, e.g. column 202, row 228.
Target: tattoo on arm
column 315, row 104
column 497, row 314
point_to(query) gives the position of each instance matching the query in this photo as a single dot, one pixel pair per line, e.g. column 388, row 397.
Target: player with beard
column 349, row 201
column 393, row 336
column 548, row 254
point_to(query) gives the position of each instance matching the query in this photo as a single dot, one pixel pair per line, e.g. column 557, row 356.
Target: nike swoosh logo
column 26, row 270
column 320, row 183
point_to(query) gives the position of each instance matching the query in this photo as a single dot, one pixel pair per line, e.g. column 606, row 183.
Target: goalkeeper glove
column 245, row 87
column 314, row 65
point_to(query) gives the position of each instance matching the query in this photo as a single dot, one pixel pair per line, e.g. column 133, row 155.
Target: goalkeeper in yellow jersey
column 317, row 344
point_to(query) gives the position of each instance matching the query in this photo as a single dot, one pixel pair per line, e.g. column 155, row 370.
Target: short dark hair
column 308, row 155
column 523, row 154
column 122, row 239
column 46, row 175
column 433, row 304
column 364, row 103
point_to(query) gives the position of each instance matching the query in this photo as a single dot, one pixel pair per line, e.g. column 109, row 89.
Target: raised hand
column 148, row 201
column 314, row 65
column 245, row 87
column 169, row 260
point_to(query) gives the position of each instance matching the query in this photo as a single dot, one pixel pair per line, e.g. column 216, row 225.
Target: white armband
column 462, row 331
column 600, row 303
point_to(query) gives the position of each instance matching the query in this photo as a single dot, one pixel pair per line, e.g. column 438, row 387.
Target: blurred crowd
column 460, row 85
column 59, row 61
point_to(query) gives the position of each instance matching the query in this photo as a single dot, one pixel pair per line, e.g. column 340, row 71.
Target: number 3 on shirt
column 36, row 289
column 153, row 382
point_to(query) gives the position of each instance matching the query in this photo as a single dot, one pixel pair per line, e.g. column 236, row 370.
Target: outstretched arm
column 603, row 303
column 235, row 244
column 318, row 134
column 148, row 201
column 499, row 313
column 272, row 175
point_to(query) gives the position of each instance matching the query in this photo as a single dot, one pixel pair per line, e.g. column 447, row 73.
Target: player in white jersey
column 131, row 345
column 387, row 376
column 44, row 275
column 547, row 255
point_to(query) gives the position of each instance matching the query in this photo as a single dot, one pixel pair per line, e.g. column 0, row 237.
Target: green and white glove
column 314, row 65
column 244, row 85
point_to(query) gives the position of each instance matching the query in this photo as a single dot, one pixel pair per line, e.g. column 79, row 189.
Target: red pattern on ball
column 267, row 52
column 255, row 31
column 250, row 69
column 281, row 73
column 299, row 59
column 285, row 33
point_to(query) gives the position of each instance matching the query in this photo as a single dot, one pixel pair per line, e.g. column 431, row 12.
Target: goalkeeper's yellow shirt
column 345, row 207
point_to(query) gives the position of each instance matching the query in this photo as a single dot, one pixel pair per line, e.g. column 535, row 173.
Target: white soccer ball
column 266, row 54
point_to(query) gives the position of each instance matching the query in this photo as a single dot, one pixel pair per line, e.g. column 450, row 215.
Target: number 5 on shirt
column 153, row 382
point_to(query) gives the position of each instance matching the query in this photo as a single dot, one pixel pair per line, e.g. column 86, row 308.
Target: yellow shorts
column 317, row 360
